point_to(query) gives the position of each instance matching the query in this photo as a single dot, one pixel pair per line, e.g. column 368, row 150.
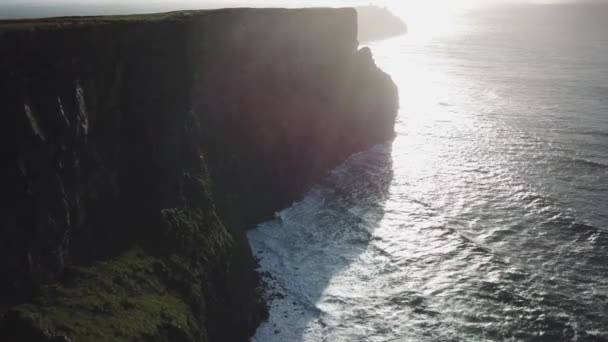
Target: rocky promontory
column 138, row 149
column 377, row 23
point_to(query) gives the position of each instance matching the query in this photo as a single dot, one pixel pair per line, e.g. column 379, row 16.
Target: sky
column 411, row 10
column 298, row 3
column 33, row 8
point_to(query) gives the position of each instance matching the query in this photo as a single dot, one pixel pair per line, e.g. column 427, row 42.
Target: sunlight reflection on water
column 475, row 224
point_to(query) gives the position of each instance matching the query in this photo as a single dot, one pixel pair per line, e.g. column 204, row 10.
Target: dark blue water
column 486, row 219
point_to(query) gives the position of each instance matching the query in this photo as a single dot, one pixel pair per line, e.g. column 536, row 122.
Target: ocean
column 486, row 219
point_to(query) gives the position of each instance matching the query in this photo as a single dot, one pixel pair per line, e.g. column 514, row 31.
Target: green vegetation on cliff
column 135, row 296
column 119, row 300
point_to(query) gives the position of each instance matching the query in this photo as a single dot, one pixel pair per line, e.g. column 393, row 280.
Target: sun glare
column 431, row 17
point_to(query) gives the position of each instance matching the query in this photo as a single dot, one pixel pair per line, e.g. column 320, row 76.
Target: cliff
column 138, row 149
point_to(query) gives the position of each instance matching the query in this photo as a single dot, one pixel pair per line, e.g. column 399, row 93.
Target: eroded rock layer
column 138, row 149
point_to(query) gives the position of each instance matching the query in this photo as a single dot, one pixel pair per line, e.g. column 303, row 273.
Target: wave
column 589, row 162
column 594, row 133
column 587, row 232
column 568, row 157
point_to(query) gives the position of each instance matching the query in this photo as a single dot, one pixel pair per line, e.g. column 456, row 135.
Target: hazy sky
column 259, row 2
column 424, row 11
column 290, row 3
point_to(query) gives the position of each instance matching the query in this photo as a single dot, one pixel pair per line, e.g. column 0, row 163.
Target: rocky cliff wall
column 138, row 149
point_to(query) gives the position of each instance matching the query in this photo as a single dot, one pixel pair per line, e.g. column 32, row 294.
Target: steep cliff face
column 138, row 150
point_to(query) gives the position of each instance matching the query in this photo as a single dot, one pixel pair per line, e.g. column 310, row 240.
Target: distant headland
column 376, row 23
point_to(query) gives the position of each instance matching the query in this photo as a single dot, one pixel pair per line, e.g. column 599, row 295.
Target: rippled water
column 486, row 219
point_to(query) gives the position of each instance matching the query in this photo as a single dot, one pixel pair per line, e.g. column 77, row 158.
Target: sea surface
column 486, row 219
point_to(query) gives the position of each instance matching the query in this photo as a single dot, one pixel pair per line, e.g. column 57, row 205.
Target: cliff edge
column 138, row 149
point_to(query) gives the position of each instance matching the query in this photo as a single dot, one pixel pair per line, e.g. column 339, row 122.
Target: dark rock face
column 138, row 150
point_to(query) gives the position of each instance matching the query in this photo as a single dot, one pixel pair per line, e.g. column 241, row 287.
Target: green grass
column 137, row 296
column 121, row 300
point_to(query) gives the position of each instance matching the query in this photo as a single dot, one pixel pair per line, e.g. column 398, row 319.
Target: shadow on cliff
column 308, row 244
